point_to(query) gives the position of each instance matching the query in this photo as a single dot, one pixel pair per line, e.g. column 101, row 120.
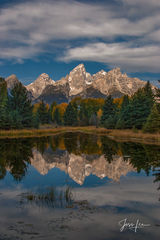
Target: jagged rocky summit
column 81, row 83
column 11, row 81
column 37, row 87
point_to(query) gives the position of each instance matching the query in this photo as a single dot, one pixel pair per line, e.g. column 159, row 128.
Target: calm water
column 78, row 186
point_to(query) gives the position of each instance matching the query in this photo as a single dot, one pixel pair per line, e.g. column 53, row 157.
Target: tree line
column 140, row 111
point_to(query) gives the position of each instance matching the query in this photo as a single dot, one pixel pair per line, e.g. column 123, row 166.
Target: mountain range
column 78, row 167
column 80, row 83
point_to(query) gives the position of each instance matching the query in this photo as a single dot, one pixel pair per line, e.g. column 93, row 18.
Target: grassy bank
column 121, row 135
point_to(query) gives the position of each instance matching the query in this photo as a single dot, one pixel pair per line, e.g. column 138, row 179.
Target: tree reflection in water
column 16, row 154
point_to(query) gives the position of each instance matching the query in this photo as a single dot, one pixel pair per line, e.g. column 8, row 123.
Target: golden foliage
column 47, row 107
column 99, row 113
column 35, row 107
column 118, row 101
column 62, row 108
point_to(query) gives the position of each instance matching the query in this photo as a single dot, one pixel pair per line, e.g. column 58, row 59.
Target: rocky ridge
column 81, row 83
column 11, row 81
column 37, row 87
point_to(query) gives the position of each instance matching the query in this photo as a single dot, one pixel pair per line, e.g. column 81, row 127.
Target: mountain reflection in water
column 78, row 155
column 57, row 187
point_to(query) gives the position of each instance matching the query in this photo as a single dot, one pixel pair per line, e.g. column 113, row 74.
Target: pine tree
column 83, row 115
column 108, row 118
column 16, row 120
column 148, row 91
column 125, row 102
column 43, row 113
column 57, row 117
column 36, row 120
column 70, row 115
column 153, row 121
column 123, row 115
column 157, row 97
column 135, row 112
column 3, row 104
column 20, row 107
column 93, row 121
column 140, row 107
column 158, row 93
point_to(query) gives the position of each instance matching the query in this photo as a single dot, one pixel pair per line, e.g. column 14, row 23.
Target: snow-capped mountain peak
column 11, row 81
column 40, row 84
column 81, row 83
column 78, row 78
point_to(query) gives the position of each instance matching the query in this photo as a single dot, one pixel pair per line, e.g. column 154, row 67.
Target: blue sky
column 54, row 36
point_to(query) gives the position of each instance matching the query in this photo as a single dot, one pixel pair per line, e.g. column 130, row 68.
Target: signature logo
column 125, row 224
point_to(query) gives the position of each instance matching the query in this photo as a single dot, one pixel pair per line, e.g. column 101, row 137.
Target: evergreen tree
column 57, row 117
column 148, row 92
column 122, row 116
column 93, row 121
column 125, row 102
column 4, row 114
column 36, row 120
column 111, row 121
column 43, row 113
column 140, row 107
column 83, row 115
column 153, row 121
column 109, row 116
column 134, row 112
column 20, row 107
column 157, row 97
column 158, row 93
column 70, row 115
column 16, row 120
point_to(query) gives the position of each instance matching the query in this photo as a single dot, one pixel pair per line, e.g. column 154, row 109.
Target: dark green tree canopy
column 71, row 115
column 4, row 114
column 134, row 111
column 108, row 118
column 152, row 124
column 43, row 113
column 57, row 117
column 20, row 107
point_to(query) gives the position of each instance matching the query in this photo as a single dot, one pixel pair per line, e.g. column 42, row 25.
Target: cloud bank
column 125, row 33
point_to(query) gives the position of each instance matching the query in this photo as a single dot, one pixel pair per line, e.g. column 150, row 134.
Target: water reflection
column 59, row 187
column 15, row 155
column 78, row 155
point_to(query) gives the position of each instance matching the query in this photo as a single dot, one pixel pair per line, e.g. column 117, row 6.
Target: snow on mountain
column 37, row 87
column 11, row 81
column 81, row 83
column 78, row 78
column 116, row 83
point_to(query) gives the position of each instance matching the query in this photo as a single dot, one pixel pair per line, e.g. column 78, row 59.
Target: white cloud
column 34, row 22
column 31, row 28
column 19, row 53
column 155, row 36
column 123, row 55
column 124, row 191
column 154, row 3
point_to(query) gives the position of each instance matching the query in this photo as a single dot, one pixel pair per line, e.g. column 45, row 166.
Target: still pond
column 79, row 186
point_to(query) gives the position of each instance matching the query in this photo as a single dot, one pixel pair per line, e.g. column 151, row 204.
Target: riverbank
column 120, row 135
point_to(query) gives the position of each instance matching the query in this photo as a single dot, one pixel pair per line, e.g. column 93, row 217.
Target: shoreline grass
column 120, row 135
